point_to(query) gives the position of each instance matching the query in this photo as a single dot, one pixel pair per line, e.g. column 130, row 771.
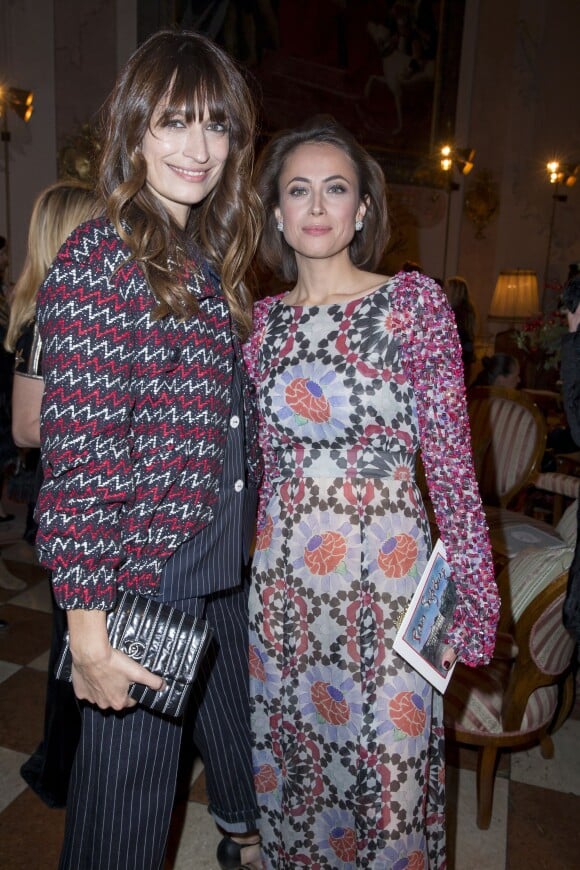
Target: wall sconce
column 558, row 173
column 461, row 159
column 515, row 297
column 21, row 102
column 562, row 173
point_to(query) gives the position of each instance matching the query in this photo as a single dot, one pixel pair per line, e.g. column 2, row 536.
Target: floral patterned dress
column 348, row 739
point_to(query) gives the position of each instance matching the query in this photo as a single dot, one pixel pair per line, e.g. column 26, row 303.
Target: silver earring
column 280, row 226
column 358, row 225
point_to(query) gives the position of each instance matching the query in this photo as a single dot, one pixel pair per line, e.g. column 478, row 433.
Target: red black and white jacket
column 134, row 419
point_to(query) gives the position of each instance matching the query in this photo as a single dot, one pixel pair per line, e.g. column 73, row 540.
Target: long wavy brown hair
column 186, row 72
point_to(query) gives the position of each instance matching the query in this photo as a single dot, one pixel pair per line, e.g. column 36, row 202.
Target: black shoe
column 229, row 854
column 7, row 518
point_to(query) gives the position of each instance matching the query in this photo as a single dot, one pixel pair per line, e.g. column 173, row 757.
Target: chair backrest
column 508, row 435
column 533, row 587
column 525, row 577
column 567, row 527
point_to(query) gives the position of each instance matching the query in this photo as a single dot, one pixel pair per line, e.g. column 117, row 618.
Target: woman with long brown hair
column 355, row 372
column 148, row 444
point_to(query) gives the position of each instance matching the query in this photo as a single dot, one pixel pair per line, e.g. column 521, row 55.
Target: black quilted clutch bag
column 164, row 640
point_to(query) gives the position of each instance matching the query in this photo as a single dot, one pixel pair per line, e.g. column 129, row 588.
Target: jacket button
column 175, row 354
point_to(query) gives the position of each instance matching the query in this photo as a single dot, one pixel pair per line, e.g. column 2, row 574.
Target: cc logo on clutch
column 134, row 649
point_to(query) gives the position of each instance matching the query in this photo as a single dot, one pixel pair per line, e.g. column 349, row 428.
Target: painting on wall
column 387, row 70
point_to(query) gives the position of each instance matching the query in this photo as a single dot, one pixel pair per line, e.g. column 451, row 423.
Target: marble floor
column 536, row 807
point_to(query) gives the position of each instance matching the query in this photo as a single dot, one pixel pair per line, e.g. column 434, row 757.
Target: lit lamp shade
column 515, row 296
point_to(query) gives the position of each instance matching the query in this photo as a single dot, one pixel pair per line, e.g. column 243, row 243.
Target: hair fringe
column 226, row 225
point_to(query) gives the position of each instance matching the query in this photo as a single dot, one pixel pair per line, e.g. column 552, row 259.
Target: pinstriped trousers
column 124, row 776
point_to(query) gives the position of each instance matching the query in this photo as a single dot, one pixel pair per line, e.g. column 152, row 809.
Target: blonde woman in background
column 56, row 213
column 58, row 210
column 7, row 447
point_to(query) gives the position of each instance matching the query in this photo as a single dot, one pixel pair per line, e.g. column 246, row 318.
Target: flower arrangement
column 541, row 337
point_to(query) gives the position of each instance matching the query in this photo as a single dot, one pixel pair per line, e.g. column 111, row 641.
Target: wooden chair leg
column 486, row 767
column 547, row 746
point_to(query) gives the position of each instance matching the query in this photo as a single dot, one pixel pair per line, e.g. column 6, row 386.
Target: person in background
column 57, row 211
column 355, row 372
column 8, row 453
column 149, row 445
column 499, row 370
column 411, row 266
column 7, row 447
column 570, row 374
column 465, row 318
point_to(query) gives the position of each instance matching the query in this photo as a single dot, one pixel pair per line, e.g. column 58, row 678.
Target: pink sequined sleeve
column 251, row 350
column 432, row 359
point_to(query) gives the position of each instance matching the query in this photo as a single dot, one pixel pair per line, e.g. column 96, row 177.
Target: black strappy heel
column 229, row 854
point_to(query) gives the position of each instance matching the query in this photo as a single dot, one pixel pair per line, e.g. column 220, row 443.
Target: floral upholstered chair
column 527, row 691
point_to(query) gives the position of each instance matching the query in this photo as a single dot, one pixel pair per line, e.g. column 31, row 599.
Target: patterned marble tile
column 11, row 528
column 466, row 757
column 10, row 582
column 12, row 782
column 30, row 834
column 197, row 843
column 22, row 710
column 19, row 551
column 542, row 828
column 37, row 596
column 536, row 803
column 562, row 772
column 468, row 847
column 197, row 789
column 41, row 662
column 27, row 636
column 29, row 571
column 7, row 669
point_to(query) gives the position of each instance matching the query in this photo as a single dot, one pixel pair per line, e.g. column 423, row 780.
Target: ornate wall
column 68, row 53
column 516, row 106
column 522, row 100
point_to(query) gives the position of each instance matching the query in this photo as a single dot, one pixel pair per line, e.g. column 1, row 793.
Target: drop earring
column 358, row 225
column 280, row 226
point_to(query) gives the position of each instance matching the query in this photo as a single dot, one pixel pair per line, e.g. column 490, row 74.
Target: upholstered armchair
column 508, row 434
column 561, row 485
column 527, row 690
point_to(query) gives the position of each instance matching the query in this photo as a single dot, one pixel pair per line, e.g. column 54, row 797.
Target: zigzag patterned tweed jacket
column 134, row 419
